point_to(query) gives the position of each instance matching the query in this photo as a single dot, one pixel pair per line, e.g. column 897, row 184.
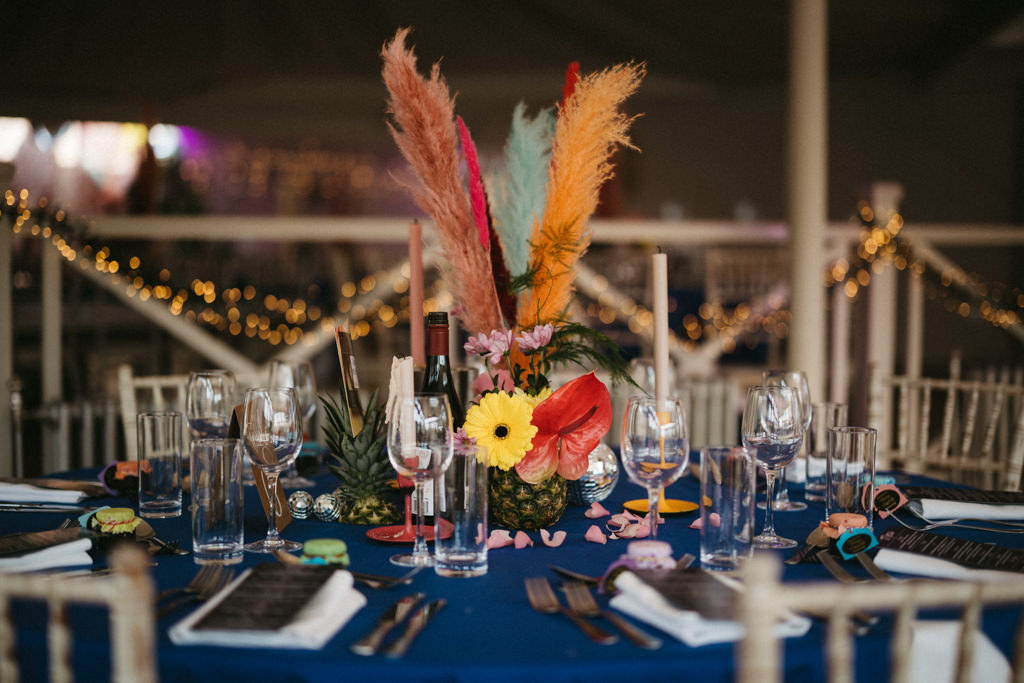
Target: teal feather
column 522, row 186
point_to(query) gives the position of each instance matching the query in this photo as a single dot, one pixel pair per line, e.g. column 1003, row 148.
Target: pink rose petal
column 644, row 531
column 596, row 510
column 697, row 523
column 595, row 535
column 552, row 541
column 619, row 520
column 629, row 531
column 499, row 538
column 613, row 537
column 631, row 515
column 715, row 519
column 522, row 540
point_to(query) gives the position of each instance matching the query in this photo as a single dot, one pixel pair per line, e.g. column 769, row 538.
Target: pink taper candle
column 419, row 356
column 659, row 264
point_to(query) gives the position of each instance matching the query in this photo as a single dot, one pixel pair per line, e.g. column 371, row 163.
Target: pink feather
column 476, row 185
column 423, row 127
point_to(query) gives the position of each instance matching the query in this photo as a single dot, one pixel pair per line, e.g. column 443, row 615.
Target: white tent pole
column 807, row 173
column 52, row 353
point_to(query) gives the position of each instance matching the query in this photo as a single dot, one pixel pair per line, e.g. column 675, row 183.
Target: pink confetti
column 595, row 535
column 596, row 510
column 522, row 540
column 552, row 540
column 499, row 538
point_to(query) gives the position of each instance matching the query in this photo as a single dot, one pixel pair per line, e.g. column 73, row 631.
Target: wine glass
column 272, row 430
column 773, row 427
column 299, row 376
column 797, row 380
column 655, row 450
column 420, row 446
column 209, row 402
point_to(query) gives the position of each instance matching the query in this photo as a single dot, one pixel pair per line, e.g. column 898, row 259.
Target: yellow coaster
column 666, row 506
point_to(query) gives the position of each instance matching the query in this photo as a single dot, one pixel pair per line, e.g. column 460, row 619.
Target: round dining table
column 488, row 630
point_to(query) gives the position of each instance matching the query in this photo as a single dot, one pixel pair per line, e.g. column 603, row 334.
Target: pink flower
column 476, row 345
column 498, row 343
column 534, row 339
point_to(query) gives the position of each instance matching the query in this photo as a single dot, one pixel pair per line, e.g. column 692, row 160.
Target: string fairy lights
column 379, row 301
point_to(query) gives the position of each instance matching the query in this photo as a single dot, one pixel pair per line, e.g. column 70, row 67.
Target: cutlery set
column 407, row 609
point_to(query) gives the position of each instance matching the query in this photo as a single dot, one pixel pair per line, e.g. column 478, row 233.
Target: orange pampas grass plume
column 423, row 112
column 589, row 128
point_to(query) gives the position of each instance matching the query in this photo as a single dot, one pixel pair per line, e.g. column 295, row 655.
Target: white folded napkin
column 933, row 652
column 70, row 554
column 923, row 565
column 641, row 601
column 26, row 493
column 327, row 611
column 954, row 509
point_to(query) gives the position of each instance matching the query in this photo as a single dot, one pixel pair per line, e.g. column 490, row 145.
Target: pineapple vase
column 516, row 504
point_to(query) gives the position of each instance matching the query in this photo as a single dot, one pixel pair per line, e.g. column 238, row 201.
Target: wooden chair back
column 127, row 593
column 760, row 651
column 140, row 394
column 712, row 410
column 955, row 428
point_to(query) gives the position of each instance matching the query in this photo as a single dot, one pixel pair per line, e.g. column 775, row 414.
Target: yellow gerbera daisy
column 501, row 424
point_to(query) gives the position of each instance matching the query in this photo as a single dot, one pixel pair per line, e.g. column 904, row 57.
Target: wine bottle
column 437, row 379
column 349, row 378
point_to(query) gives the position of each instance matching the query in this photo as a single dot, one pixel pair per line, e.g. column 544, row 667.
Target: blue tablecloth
column 488, row 630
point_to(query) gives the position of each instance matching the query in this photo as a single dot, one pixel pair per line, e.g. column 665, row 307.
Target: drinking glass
column 420, row 445
column 299, row 376
column 209, row 402
column 655, row 450
column 797, row 380
column 272, row 430
column 773, row 426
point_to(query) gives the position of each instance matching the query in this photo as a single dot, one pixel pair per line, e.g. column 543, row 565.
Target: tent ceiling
column 260, row 68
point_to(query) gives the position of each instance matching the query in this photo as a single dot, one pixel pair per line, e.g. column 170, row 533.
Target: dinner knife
column 392, row 616
column 416, row 624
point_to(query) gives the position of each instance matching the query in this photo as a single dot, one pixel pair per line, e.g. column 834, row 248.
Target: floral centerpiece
column 511, row 264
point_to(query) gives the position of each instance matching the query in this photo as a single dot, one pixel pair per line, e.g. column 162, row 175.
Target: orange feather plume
column 589, row 128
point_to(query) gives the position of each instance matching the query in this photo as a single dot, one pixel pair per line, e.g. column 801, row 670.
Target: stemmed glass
column 272, row 430
column 209, row 402
column 797, row 380
column 299, row 376
column 420, row 445
column 655, row 450
column 773, row 427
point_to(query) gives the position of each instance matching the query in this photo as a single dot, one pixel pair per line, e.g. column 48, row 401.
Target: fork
column 212, row 584
column 543, row 599
column 581, row 600
column 193, row 586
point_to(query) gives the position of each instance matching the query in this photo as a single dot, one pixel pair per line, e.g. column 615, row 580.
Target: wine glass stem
column 272, row 537
column 769, row 505
column 419, row 549
column 653, row 498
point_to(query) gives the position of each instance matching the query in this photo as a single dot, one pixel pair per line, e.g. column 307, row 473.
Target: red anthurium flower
column 570, row 423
